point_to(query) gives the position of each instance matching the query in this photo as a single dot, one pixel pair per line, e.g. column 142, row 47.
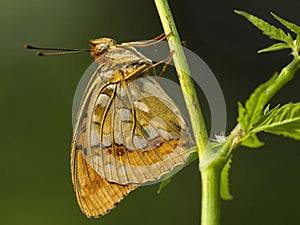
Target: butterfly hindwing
column 143, row 135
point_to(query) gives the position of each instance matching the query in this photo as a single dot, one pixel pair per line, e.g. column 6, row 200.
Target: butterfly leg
column 153, row 41
column 166, row 62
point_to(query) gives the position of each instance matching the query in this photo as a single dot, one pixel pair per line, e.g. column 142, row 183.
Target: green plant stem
column 188, row 90
column 210, row 207
column 286, row 74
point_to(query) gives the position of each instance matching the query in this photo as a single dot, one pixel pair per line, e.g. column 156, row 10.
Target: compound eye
column 101, row 48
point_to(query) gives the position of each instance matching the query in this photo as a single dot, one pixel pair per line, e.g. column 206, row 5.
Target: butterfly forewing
column 95, row 195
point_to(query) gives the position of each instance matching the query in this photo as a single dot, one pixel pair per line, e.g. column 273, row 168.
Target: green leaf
column 242, row 113
column 275, row 47
column 298, row 42
column 267, row 29
column 225, row 190
column 253, row 110
column 164, row 183
column 252, row 142
column 267, row 109
column 293, row 27
column 283, row 121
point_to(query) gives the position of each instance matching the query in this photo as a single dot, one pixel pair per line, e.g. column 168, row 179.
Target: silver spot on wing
column 141, row 106
column 124, row 114
column 102, row 100
column 95, row 141
column 139, row 142
column 151, row 133
column 118, row 137
column 106, row 75
column 111, row 86
column 107, row 140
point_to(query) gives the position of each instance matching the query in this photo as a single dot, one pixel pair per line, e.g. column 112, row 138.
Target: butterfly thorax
column 130, row 72
column 117, row 62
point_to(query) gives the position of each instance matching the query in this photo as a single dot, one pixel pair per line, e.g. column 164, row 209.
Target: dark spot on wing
column 108, row 151
column 157, row 142
column 120, row 151
column 85, row 151
column 97, row 123
column 145, row 152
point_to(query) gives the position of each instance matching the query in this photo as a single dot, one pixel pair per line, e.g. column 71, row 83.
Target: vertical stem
column 211, row 176
column 210, row 209
column 188, row 90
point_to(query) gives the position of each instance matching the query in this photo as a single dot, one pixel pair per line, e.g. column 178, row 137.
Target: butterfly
column 128, row 132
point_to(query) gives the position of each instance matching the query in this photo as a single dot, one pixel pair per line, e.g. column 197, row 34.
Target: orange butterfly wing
column 95, row 195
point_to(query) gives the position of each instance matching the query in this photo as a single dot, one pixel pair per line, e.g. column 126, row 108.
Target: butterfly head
column 100, row 45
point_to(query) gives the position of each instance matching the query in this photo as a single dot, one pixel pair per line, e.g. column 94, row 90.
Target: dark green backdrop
column 36, row 96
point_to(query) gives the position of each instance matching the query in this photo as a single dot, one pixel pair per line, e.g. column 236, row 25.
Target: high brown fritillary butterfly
column 128, row 131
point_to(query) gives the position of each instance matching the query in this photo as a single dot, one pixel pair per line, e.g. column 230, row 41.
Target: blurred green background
column 36, row 96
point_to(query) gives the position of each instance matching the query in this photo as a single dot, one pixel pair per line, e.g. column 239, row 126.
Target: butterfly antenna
column 60, row 51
